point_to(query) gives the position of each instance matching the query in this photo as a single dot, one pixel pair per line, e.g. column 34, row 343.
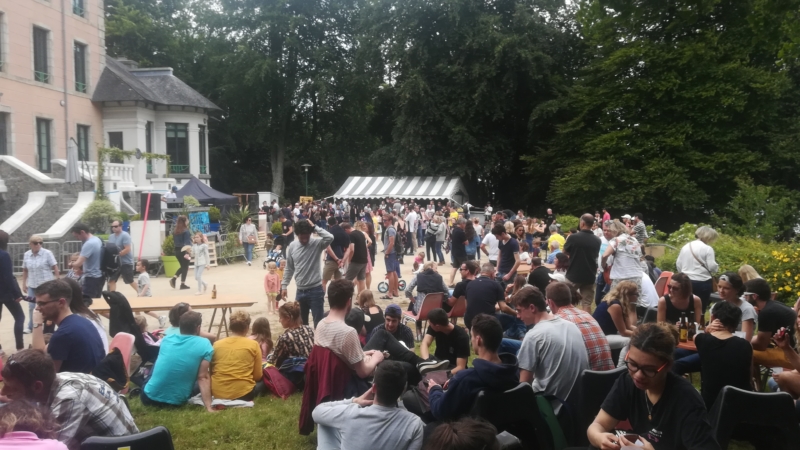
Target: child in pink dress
column 272, row 286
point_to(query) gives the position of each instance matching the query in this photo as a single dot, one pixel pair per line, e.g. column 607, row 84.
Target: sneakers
column 205, row 287
column 183, row 286
column 27, row 331
column 172, row 282
column 432, row 366
column 248, row 263
column 162, row 322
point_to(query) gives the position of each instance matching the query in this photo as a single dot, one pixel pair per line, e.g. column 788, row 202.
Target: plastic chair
column 157, row 438
column 429, row 303
column 459, row 309
column 773, row 415
column 124, row 342
column 595, row 386
column 662, row 282
column 650, row 316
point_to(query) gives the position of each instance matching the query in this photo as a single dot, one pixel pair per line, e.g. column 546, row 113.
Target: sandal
column 385, row 297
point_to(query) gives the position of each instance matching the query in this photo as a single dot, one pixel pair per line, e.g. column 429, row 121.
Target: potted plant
column 213, row 218
column 126, row 221
column 168, row 257
column 99, row 215
column 276, row 229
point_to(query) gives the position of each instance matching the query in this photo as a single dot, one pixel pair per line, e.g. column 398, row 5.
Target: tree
column 679, row 99
column 767, row 212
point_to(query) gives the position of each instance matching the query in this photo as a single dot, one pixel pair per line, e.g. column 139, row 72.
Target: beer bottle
column 683, row 328
column 692, row 330
column 214, row 292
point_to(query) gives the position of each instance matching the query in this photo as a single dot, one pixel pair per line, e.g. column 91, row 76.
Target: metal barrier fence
column 17, row 253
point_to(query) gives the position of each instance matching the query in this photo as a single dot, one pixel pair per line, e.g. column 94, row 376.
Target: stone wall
column 86, row 185
column 39, row 222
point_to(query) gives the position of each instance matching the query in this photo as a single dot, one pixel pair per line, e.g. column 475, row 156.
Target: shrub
column 235, row 219
column 190, row 202
column 567, row 222
column 123, row 216
column 136, row 217
column 276, row 228
column 99, row 215
column 168, row 246
column 214, row 215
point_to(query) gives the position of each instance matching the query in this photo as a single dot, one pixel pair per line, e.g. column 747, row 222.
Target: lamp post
column 306, row 166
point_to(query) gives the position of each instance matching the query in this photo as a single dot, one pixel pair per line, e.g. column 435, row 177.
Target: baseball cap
column 558, row 276
column 626, row 216
column 759, row 287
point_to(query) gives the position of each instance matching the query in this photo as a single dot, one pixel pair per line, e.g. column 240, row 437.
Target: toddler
column 419, row 260
column 262, row 335
column 281, row 267
column 272, row 286
column 524, row 256
column 143, row 285
column 76, row 275
column 141, row 321
column 201, row 259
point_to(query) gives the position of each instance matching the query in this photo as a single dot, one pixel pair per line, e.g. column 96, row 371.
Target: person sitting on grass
column 262, row 334
column 373, row 420
column 82, row 405
column 452, row 341
column 465, row 434
column 334, row 334
column 391, row 323
column 183, row 359
column 174, row 319
column 236, row 365
column 488, row 373
column 663, row 408
column 789, row 380
column 297, row 341
column 24, row 425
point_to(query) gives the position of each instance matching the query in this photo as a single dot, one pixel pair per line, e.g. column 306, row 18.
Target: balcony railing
column 42, row 77
column 179, row 168
column 203, row 170
column 80, row 87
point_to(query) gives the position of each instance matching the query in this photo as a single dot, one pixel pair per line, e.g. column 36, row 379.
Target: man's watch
column 37, row 325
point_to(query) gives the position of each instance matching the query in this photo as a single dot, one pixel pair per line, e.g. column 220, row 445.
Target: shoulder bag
column 713, row 278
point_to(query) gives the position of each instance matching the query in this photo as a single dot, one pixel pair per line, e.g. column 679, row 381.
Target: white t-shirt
column 479, row 230
column 748, row 312
column 525, row 257
column 555, row 353
column 487, row 211
column 649, row 297
column 491, row 243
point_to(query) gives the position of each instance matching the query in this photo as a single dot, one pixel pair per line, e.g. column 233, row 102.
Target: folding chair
column 429, row 303
column 459, row 309
column 595, row 386
column 516, row 412
column 159, row 437
column 662, row 282
column 772, row 417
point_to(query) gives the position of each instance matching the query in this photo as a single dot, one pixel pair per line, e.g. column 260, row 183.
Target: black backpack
column 109, row 259
column 398, row 242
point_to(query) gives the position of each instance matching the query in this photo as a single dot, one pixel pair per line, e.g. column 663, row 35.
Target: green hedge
column 567, row 222
column 775, row 262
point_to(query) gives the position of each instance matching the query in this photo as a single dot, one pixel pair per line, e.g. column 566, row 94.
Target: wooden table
column 688, row 345
column 523, row 269
column 165, row 303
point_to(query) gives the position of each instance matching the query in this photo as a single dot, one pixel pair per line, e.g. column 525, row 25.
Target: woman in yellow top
column 236, row 365
column 453, row 216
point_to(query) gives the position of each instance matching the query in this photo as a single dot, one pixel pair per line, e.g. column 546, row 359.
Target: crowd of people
column 544, row 306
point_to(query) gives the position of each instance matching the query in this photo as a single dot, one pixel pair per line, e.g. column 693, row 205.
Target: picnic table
column 688, row 345
column 226, row 303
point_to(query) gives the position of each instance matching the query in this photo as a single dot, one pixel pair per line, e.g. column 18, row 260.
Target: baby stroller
column 276, row 252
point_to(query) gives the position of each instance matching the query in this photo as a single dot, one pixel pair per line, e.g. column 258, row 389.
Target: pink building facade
column 52, row 54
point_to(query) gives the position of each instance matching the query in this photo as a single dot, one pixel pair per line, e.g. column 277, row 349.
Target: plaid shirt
column 593, row 337
column 86, row 406
column 39, row 266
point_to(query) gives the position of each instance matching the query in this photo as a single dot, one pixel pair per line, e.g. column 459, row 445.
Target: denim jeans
column 248, row 251
column 686, row 361
column 311, row 300
column 438, row 248
column 510, row 346
column 702, row 289
column 513, row 328
column 600, row 290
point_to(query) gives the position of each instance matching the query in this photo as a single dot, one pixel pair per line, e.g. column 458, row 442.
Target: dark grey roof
column 158, row 86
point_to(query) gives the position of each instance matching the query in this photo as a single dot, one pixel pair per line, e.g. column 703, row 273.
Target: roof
column 401, row 187
column 159, row 86
column 206, row 194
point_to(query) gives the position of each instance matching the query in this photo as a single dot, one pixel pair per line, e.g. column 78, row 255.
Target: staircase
column 67, row 201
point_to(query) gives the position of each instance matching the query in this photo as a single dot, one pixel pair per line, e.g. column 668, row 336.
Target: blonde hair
column 272, row 266
column 621, row 292
column 429, row 265
column 366, row 300
column 747, row 272
column 509, row 228
column 261, row 330
column 22, row 415
column 36, row 238
column 617, row 227
column 239, row 321
column 141, row 322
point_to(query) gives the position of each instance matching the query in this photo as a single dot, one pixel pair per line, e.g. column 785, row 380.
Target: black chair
column 595, row 386
column 771, row 416
column 157, row 438
column 515, row 412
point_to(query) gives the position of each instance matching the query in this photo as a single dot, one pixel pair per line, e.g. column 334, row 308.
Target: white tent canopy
column 449, row 188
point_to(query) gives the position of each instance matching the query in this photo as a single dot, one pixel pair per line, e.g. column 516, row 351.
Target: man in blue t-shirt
column 508, row 261
column 183, row 359
column 90, row 259
column 123, row 242
column 76, row 345
column 390, row 258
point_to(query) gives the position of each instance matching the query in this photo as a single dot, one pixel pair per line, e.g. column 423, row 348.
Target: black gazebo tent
column 206, row 195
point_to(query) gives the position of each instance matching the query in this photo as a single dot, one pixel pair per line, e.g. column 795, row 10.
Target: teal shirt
column 176, row 368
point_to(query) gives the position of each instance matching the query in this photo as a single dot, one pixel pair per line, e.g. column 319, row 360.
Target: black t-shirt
column 507, row 250
column 286, row 212
column 340, row 242
column 286, row 224
column 726, row 362
column 375, row 319
column 549, row 219
column 679, row 417
column 540, row 277
column 482, row 295
column 459, row 249
column 451, row 346
column 461, row 288
column 582, row 248
column 775, row 315
column 359, row 247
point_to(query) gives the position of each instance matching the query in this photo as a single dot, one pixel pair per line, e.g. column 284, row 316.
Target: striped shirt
column 596, row 342
column 39, row 266
column 86, row 406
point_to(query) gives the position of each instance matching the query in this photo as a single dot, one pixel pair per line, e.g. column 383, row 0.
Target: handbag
column 713, row 278
column 251, row 239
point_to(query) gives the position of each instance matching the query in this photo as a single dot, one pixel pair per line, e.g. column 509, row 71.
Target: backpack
column 398, row 242
column 109, row 259
column 111, row 369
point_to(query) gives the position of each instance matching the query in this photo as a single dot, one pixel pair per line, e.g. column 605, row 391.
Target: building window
column 80, row 67
column 2, row 42
column 178, row 147
column 41, row 71
column 202, row 136
column 77, row 7
column 83, row 142
column 4, row 133
column 148, row 137
column 115, row 140
column 43, row 144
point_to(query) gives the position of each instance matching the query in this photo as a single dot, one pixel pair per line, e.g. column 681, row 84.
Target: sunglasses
column 21, row 372
column 36, row 243
column 648, row 371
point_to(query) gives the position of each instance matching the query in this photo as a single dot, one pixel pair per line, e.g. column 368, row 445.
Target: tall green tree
column 679, row 99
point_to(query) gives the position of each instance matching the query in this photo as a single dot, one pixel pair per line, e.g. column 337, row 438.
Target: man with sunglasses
column 123, row 242
column 83, row 405
column 75, row 346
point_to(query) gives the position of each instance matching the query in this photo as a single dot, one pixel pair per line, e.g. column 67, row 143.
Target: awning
column 450, row 188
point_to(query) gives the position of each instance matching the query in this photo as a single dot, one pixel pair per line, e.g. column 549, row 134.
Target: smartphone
column 631, row 437
column 780, row 333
